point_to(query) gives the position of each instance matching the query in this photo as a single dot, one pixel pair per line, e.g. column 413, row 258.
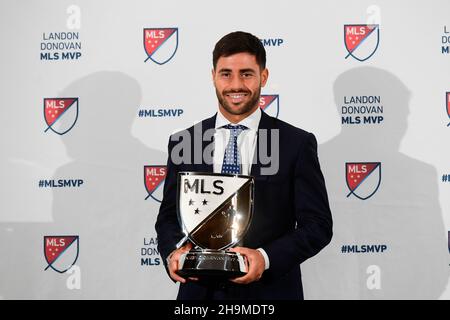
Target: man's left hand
column 255, row 263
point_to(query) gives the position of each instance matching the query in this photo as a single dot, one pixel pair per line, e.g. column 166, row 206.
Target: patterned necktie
column 231, row 160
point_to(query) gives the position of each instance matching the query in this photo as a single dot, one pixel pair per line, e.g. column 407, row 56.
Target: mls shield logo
column 61, row 252
column 361, row 40
column 160, row 44
column 447, row 104
column 60, row 114
column 363, row 178
column 154, row 177
column 270, row 103
column 215, row 209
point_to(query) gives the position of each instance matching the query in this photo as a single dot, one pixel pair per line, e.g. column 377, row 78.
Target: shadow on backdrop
column 404, row 214
column 108, row 211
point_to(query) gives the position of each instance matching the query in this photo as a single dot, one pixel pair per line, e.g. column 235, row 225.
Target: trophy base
column 211, row 263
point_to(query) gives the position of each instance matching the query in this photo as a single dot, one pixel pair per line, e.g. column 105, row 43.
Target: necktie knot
column 235, row 130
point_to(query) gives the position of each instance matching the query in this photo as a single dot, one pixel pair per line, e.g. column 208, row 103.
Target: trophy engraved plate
column 214, row 211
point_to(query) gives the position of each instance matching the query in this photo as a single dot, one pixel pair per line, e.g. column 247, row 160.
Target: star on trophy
column 214, row 211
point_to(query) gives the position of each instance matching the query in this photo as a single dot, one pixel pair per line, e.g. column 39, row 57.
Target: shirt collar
column 251, row 121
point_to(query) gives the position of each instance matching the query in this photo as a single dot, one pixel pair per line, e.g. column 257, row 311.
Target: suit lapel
column 266, row 123
column 207, row 124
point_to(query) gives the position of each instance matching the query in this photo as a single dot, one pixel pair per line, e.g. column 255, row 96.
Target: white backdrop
column 404, row 221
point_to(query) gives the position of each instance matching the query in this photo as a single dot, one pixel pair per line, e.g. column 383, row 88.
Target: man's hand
column 172, row 262
column 255, row 263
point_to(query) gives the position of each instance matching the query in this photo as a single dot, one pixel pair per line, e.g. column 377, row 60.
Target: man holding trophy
column 244, row 200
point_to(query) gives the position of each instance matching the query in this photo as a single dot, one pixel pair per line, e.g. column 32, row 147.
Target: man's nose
column 236, row 83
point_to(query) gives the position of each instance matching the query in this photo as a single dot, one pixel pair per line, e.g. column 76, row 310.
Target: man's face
column 238, row 81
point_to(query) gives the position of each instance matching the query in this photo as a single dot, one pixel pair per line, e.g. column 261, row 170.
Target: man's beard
column 254, row 100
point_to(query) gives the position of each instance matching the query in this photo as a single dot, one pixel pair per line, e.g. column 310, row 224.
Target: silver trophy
column 215, row 211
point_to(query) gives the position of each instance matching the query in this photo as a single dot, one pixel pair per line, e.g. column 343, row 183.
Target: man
column 292, row 219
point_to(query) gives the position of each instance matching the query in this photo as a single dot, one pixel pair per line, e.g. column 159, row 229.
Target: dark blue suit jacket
column 291, row 222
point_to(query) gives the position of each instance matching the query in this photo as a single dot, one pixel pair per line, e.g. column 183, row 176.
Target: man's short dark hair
column 237, row 42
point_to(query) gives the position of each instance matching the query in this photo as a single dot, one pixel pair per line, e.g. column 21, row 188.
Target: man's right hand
column 173, row 260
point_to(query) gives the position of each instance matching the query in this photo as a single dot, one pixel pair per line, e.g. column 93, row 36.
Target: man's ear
column 264, row 77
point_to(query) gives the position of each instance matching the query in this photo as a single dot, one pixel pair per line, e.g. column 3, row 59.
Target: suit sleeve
column 312, row 214
column 167, row 226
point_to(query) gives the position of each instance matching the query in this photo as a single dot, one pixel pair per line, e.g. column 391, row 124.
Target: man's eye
column 225, row 75
column 246, row 75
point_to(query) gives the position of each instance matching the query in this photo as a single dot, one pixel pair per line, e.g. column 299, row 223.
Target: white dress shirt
column 246, row 144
